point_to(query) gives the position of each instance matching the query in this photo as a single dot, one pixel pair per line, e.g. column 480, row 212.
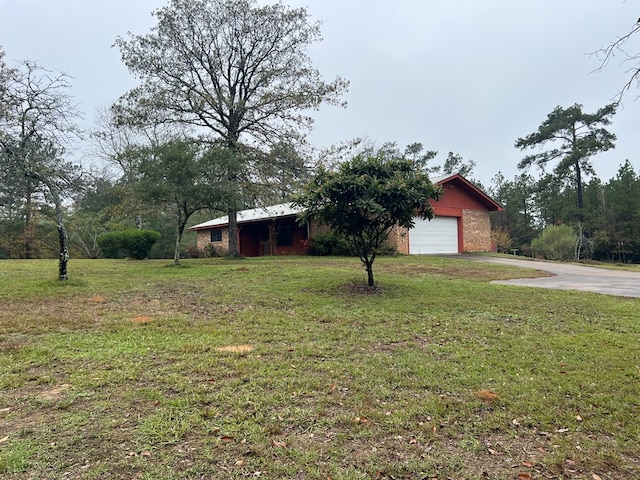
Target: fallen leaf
column 239, row 463
column 515, row 422
column 2, row 410
column 413, row 441
column 493, row 452
column 562, row 430
column 278, row 443
column 4, row 439
column 527, row 464
column 146, row 453
column 578, row 418
column 524, row 476
column 596, row 477
column 226, row 438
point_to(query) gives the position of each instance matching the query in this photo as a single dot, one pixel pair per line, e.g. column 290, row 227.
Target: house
column 461, row 224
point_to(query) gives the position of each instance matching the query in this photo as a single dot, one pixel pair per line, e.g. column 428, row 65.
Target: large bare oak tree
column 236, row 72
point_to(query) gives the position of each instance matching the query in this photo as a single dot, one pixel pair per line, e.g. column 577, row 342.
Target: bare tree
column 237, row 71
column 37, row 125
column 632, row 59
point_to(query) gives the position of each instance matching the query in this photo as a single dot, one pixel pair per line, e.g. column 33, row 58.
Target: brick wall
column 399, row 240
column 477, row 231
column 203, row 240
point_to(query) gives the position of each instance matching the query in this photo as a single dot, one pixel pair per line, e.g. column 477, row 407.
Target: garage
column 439, row 235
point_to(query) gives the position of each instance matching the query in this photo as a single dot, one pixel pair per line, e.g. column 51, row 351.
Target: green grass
column 122, row 372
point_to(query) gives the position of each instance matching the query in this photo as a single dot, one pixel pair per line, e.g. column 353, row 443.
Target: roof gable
column 458, row 181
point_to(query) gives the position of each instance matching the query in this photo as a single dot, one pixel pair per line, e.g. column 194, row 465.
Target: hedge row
column 131, row 243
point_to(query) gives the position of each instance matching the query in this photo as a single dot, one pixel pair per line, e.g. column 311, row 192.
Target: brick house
column 461, row 224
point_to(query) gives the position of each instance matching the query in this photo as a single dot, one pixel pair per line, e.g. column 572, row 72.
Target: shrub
column 502, row 240
column 556, row 242
column 329, row 243
column 208, row 251
column 131, row 243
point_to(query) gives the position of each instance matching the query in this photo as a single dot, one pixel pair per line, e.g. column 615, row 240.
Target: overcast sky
column 468, row 76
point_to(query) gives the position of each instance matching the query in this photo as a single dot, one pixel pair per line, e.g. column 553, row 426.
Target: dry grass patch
column 236, row 348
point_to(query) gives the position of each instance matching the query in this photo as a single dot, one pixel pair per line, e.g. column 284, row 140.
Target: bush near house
column 329, row 243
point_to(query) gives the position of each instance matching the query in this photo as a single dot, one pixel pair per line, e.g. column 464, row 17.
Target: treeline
column 608, row 224
column 224, row 128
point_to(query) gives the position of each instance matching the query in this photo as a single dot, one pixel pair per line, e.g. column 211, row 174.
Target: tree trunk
column 62, row 233
column 62, row 238
column 234, row 250
column 28, row 236
column 369, row 267
column 176, row 252
column 579, row 184
column 64, row 250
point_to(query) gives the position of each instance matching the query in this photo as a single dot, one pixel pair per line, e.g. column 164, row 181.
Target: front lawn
column 286, row 368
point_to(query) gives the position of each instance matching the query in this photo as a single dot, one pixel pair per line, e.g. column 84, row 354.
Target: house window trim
column 217, row 232
column 284, row 235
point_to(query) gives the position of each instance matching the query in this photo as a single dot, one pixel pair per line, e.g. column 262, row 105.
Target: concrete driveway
column 569, row 277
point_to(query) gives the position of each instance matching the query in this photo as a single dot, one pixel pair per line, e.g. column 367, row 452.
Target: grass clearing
column 285, row 368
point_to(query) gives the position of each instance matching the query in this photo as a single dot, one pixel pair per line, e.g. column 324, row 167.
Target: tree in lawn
column 574, row 137
column 183, row 177
column 36, row 125
column 237, row 71
column 365, row 198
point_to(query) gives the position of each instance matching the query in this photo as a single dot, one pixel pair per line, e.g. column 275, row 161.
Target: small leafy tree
column 182, row 177
column 556, row 242
column 365, row 198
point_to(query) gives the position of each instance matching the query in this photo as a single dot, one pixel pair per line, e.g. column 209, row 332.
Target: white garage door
column 440, row 235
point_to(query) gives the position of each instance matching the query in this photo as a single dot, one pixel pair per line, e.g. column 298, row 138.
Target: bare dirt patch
column 53, row 394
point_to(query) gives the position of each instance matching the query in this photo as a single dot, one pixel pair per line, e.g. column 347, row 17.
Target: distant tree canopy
column 235, row 71
column 365, row 198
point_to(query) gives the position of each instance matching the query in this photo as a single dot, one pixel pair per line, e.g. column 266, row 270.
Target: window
column 285, row 235
column 216, row 235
